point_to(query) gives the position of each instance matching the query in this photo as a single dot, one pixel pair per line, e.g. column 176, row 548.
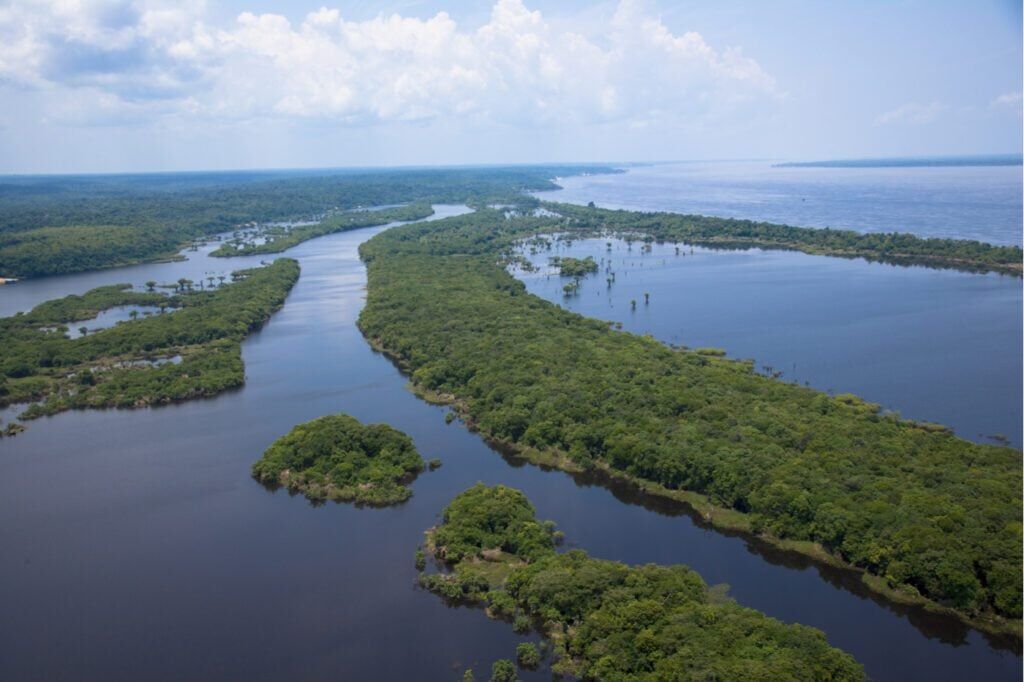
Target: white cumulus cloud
column 167, row 58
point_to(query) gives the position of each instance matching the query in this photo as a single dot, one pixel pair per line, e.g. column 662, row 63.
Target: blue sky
column 130, row 85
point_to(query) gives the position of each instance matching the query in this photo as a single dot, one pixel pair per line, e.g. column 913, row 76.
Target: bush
column 527, row 655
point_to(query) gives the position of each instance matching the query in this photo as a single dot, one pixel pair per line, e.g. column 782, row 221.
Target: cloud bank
column 119, row 60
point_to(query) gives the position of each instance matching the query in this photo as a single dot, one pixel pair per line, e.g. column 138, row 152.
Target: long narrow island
column 929, row 518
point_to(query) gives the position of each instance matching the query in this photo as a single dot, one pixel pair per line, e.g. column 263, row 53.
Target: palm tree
column 83, row 330
column 133, row 314
column 150, row 285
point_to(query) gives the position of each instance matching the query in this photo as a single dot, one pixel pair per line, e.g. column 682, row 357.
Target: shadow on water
column 935, row 626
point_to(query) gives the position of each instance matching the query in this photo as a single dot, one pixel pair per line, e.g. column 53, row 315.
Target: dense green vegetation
column 927, row 513
column 892, row 247
column 337, row 458
column 53, row 250
column 191, row 351
column 62, row 224
column 606, row 620
column 74, row 223
column 574, row 267
column 277, row 238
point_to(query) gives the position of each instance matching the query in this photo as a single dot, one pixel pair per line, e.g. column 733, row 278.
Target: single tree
column 504, row 670
column 527, row 655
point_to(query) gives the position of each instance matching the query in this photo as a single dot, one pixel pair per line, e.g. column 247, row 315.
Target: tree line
column 63, row 224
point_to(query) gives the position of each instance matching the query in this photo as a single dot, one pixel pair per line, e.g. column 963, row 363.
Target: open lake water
column 136, row 545
column 957, row 202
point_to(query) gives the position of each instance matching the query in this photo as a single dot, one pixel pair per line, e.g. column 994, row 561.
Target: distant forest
column 52, row 226
column 59, row 225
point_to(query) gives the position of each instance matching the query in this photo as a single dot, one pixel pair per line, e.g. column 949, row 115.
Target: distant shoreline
column 911, row 162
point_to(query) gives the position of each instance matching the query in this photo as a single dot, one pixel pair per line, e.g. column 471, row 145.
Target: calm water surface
column 933, row 345
column 136, row 546
column 963, row 202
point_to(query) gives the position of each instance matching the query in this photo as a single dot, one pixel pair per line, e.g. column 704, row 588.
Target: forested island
column 337, row 458
column 606, row 620
column 276, row 239
column 891, row 247
column 930, row 518
column 63, row 224
column 189, row 347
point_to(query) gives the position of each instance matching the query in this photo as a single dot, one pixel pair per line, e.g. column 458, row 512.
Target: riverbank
column 716, row 516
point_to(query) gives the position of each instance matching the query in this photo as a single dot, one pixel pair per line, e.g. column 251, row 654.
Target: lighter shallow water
column 136, row 546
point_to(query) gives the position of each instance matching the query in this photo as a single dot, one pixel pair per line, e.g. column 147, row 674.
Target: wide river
column 958, row 202
column 136, row 545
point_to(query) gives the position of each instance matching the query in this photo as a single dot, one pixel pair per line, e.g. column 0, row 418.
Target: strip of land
column 891, row 247
column 276, row 238
column 930, row 518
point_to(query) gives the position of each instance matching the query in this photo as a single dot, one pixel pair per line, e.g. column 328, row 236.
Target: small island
column 574, row 267
column 338, row 458
column 606, row 620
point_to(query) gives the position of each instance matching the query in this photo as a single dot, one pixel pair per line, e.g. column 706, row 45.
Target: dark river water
column 137, row 547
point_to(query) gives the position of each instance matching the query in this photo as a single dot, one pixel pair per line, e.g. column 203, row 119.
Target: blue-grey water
column 959, row 202
column 136, row 545
column 934, row 345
